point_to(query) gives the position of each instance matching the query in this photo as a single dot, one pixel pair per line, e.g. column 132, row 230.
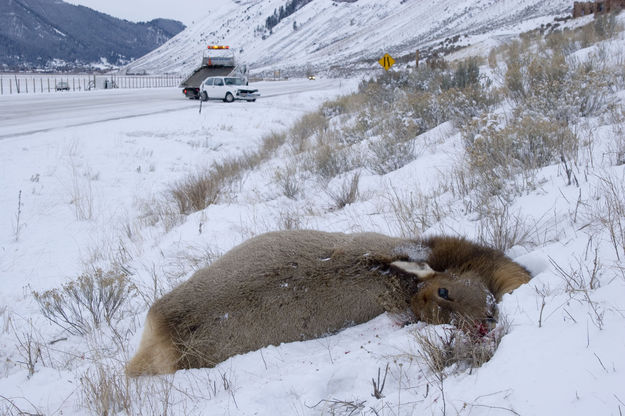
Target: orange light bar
column 218, row 47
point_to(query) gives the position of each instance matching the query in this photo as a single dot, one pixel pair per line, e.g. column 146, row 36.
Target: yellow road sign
column 387, row 61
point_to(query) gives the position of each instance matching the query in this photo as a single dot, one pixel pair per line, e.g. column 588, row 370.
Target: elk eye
column 443, row 293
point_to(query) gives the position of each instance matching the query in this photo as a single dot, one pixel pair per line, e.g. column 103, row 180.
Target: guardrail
column 24, row 83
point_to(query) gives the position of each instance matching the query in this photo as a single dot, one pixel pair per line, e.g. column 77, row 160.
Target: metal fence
column 24, row 83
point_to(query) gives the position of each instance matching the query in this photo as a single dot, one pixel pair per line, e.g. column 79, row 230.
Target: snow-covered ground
column 74, row 198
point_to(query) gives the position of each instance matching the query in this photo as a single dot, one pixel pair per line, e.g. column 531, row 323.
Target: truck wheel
column 229, row 98
column 204, row 96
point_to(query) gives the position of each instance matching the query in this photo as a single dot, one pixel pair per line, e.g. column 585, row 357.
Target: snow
column 338, row 36
column 79, row 195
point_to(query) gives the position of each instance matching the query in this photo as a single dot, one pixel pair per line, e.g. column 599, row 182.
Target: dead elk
column 298, row 285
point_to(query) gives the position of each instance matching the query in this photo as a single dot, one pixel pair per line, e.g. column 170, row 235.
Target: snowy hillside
column 331, row 34
column 522, row 149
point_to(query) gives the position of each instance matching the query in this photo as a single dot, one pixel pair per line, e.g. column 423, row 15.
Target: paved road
column 32, row 113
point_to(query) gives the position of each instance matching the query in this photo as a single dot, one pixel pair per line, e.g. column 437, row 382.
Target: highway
column 26, row 114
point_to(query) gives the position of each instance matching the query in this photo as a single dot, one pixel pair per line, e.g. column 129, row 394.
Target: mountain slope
column 325, row 33
column 36, row 32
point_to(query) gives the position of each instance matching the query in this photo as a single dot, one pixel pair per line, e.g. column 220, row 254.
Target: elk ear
column 420, row 269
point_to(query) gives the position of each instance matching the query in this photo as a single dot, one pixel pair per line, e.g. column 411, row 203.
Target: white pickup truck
column 227, row 89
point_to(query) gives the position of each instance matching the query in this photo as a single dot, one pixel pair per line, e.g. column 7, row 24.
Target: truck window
column 218, row 82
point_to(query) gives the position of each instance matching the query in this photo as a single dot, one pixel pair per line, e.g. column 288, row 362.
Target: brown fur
column 298, row 285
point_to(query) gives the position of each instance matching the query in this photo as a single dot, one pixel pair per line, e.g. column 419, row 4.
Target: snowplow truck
column 218, row 62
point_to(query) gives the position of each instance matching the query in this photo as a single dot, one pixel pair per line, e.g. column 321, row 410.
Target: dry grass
column 607, row 212
column 105, row 391
column 413, row 213
column 347, row 192
column 288, row 182
column 305, row 129
column 616, row 147
column 502, row 229
column 196, row 192
column 160, row 211
column 329, row 157
column 580, row 280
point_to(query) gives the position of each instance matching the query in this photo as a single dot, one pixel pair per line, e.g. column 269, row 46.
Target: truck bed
column 195, row 79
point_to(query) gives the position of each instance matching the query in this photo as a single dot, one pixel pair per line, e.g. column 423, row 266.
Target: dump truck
column 219, row 61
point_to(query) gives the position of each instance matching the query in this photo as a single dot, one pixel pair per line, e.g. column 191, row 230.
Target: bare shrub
column 547, row 84
column 562, row 41
column 580, row 280
column 337, row 407
column 11, row 406
column 160, row 211
column 391, row 152
column 414, row 212
column 360, row 127
column 497, row 153
column 105, row 391
column 500, row 228
column 492, row 58
column 515, row 62
column 346, row 104
column 330, row 158
column 30, row 347
column 606, row 26
column 288, row 182
column 289, row 220
column 424, row 111
column 86, row 303
column 608, row 211
column 187, row 260
column 616, row 147
column 347, row 192
column 271, row 143
column 460, row 105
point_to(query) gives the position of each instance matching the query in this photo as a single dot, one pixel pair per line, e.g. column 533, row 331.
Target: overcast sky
column 185, row 11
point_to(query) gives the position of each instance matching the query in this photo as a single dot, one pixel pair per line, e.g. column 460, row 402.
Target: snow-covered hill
column 327, row 34
column 529, row 157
